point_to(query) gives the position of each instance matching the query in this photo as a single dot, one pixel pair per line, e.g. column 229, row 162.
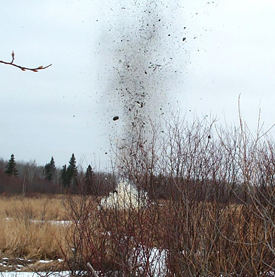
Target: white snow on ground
column 156, row 258
column 17, row 268
column 53, row 222
column 34, row 274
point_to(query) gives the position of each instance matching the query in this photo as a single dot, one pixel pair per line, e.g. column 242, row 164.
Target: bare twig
column 36, row 69
column 92, row 269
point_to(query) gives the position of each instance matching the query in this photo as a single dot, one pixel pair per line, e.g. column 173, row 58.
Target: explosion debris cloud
column 143, row 51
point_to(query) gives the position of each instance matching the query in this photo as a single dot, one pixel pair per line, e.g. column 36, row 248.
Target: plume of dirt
column 143, row 49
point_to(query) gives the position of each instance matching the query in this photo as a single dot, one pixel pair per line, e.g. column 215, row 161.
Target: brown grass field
column 27, row 229
column 201, row 237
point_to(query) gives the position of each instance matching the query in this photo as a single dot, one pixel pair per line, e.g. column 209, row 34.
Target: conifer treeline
column 50, row 179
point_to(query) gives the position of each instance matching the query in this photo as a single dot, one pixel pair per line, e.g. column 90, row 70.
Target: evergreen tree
column 89, row 180
column 64, row 177
column 50, row 170
column 11, row 167
column 72, row 171
column 69, row 174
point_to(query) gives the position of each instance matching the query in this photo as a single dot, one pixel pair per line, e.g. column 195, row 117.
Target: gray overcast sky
column 229, row 50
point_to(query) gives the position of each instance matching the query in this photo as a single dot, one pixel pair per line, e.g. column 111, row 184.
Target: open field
column 39, row 207
column 29, row 230
column 185, row 236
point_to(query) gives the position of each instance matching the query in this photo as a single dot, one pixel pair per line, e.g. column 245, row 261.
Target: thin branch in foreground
column 36, row 69
column 92, row 270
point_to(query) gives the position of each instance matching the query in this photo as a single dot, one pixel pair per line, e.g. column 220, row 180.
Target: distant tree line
column 28, row 177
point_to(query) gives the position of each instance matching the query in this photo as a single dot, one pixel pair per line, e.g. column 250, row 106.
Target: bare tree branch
column 92, row 270
column 36, row 69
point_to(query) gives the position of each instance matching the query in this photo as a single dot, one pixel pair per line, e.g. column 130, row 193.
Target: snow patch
column 156, row 258
column 33, row 274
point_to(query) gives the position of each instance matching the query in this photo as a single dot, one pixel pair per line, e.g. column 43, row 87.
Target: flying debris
column 141, row 64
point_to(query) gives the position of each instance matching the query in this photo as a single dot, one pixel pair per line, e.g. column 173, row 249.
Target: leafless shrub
column 211, row 208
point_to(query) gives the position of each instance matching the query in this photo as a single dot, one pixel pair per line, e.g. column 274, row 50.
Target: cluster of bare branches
column 23, row 68
column 212, row 208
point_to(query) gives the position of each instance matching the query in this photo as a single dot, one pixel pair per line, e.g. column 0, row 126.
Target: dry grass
column 36, row 208
column 38, row 227
column 201, row 237
column 27, row 227
column 30, row 240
